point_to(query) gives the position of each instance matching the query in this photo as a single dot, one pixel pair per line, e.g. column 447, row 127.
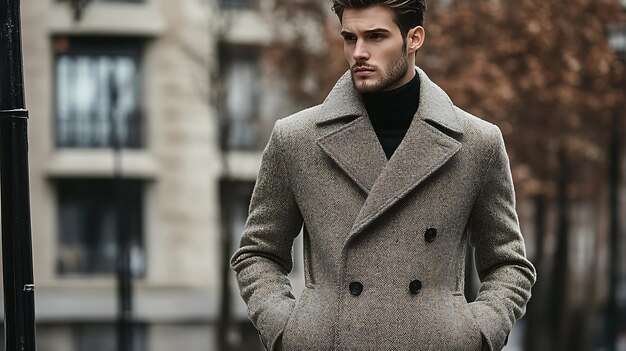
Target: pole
column 614, row 233
column 225, row 321
column 560, row 279
column 225, row 324
column 78, row 6
column 124, row 284
column 17, row 257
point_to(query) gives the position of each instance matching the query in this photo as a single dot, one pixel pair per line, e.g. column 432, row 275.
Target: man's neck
column 393, row 104
column 391, row 112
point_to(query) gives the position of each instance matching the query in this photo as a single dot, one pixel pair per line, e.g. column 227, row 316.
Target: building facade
column 148, row 117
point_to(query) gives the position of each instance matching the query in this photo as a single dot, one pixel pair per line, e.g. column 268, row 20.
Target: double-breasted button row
column 415, row 286
column 356, row 288
column 430, row 235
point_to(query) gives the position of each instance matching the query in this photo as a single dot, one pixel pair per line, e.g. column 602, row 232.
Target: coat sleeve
column 505, row 273
column 264, row 258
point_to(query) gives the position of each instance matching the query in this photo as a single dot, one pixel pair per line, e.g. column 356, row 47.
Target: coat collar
column 435, row 105
column 355, row 148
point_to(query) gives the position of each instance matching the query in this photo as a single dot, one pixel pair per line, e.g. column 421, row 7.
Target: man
column 387, row 180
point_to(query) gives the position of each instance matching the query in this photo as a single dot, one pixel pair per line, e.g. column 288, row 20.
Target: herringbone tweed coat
column 384, row 240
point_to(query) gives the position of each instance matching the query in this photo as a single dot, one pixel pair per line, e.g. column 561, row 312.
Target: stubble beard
column 395, row 73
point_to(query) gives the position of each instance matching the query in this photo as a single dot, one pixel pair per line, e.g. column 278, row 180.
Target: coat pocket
column 308, row 259
column 310, row 325
column 290, row 341
column 471, row 329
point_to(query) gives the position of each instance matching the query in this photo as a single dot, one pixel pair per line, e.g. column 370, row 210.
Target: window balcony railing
column 89, row 218
column 98, row 95
column 91, row 132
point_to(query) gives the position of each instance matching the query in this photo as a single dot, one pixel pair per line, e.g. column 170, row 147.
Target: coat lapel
column 354, row 146
column 357, row 151
column 421, row 153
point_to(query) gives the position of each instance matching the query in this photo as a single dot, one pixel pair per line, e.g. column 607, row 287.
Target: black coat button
column 415, row 287
column 356, row 288
column 430, row 235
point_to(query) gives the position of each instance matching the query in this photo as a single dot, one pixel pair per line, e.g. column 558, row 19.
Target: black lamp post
column 17, row 257
column 78, row 6
column 617, row 41
column 124, row 278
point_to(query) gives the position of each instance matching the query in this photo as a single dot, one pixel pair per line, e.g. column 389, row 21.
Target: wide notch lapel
column 356, row 150
column 423, row 150
column 353, row 146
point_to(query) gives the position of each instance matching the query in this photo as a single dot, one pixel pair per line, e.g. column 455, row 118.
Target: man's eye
column 377, row 36
column 348, row 38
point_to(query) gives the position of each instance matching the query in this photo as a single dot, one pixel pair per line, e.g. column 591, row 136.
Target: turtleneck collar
column 391, row 113
column 395, row 108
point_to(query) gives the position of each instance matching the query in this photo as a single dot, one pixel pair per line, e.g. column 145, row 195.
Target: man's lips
column 363, row 71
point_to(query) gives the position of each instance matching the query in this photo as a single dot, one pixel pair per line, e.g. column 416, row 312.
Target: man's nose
column 360, row 51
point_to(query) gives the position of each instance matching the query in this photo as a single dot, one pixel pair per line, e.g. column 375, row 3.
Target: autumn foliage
column 541, row 70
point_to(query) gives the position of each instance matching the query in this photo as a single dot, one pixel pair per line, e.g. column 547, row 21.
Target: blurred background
column 148, row 118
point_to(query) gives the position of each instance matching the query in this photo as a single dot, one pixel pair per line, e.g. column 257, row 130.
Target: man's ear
column 416, row 37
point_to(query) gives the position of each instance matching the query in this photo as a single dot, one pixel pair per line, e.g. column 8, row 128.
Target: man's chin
column 364, row 85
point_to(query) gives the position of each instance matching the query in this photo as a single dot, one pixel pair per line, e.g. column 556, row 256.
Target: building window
column 253, row 96
column 90, row 214
column 241, row 85
column 98, row 93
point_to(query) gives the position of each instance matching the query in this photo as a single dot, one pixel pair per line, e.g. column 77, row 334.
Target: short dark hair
column 408, row 13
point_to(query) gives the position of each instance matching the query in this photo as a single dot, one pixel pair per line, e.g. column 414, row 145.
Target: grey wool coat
column 384, row 240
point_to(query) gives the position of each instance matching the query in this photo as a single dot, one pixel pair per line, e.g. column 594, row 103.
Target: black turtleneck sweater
column 391, row 113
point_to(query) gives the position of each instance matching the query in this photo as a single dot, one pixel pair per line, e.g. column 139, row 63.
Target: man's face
column 374, row 48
